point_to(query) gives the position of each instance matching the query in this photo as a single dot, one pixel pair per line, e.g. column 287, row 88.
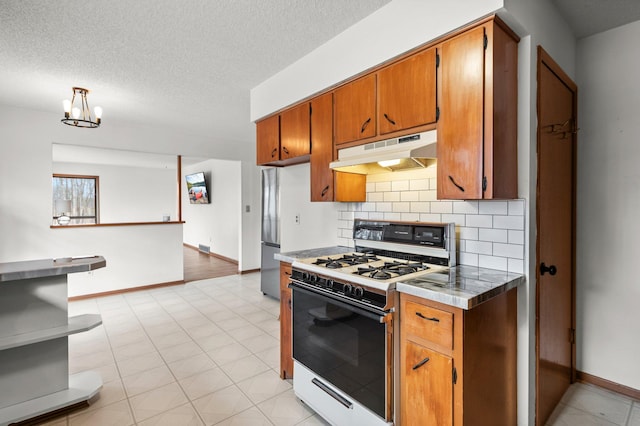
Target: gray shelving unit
column 34, row 332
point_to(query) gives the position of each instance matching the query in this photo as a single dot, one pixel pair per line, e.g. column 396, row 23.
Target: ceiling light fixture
column 80, row 117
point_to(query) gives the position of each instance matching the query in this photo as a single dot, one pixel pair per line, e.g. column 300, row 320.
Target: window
column 76, row 197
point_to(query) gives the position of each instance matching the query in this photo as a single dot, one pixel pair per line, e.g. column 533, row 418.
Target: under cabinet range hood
column 403, row 153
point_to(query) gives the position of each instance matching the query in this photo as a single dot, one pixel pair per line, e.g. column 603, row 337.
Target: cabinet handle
column 365, row 124
column 287, row 273
column 456, row 185
column 289, row 304
column 286, row 151
column 434, row 319
column 274, row 152
column 389, row 119
column 324, row 191
column 421, row 363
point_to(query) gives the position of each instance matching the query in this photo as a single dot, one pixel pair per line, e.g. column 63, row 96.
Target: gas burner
column 390, row 270
column 346, row 260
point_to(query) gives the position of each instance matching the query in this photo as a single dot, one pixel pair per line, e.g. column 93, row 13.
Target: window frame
column 97, row 198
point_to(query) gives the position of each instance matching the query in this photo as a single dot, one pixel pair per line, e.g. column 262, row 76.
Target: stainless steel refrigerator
column 270, row 268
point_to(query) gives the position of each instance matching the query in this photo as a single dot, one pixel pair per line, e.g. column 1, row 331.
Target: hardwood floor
column 200, row 266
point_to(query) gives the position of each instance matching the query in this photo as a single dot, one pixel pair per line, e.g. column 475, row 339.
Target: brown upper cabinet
column 327, row 185
column 285, row 138
column 398, row 97
column 355, row 110
column 407, row 93
column 477, row 128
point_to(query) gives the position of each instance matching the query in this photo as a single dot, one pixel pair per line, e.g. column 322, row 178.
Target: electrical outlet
column 247, row 208
column 297, row 218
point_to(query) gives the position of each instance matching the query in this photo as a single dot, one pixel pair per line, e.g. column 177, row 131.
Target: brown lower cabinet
column 458, row 367
column 286, row 361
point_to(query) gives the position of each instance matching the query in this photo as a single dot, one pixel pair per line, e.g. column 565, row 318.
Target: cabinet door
column 460, row 126
column 286, row 362
column 268, row 140
column 322, row 148
column 355, row 110
column 426, row 387
column 407, row 93
column 295, row 133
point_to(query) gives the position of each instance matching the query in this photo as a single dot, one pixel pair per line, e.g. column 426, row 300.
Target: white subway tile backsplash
column 480, row 220
column 442, row 207
column 400, row 185
column 375, row 197
column 427, row 195
column 480, row 247
column 465, row 207
column 383, row 186
column 516, row 208
column 509, row 222
column 493, row 207
column 410, row 217
column 418, row 184
column 430, row 217
column 490, row 232
column 470, row 259
column 516, row 237
column 383, row 207
column 391, row 196
column 495, row 235
column 420, row 207
column 410, row 196
column 467, row 233
column 492, row 262
column 515, row 251
column 401, row 207
column 458, row 219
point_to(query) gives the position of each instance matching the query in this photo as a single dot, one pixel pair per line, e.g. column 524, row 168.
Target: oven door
column 345, row 345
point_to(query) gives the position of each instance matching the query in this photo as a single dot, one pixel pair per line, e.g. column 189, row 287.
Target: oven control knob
column 358, row 292
column 305, row 276
column 313, row 278
column 329, row 284
column 348, row 289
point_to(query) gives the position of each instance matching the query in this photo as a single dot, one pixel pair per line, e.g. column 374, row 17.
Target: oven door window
column 342, row 346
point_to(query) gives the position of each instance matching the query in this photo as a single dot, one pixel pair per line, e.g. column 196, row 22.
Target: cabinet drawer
column 429, row 323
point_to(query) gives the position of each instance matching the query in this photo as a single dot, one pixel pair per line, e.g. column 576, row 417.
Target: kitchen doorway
column 202, row 266
column 555, row 245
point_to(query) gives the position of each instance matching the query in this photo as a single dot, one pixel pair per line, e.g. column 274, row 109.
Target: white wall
column 608, row 199
column 251, row 217
column 137, row 255
column 130, row 194
column 216, row 224
column 317, row 227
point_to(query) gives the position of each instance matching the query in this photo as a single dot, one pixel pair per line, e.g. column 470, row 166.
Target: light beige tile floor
column 202, row 353
column 207, row 353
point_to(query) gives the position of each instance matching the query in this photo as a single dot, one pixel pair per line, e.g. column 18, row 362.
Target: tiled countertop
column 461, row 286
column 23, row 270
column 292, row 256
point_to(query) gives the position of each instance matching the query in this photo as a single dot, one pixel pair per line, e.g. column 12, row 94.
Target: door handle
column 550, row 269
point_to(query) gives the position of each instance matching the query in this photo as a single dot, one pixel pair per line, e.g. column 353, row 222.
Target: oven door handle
column 333, row 394
column 377, row 317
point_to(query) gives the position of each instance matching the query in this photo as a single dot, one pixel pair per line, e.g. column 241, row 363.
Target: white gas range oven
column 342, row 317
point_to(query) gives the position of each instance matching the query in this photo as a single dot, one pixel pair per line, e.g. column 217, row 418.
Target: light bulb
column 98, row 111
column 389, row 163
column 66, row 104
column 76, row 112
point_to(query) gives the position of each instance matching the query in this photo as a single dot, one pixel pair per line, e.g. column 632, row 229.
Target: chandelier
column 80, row 117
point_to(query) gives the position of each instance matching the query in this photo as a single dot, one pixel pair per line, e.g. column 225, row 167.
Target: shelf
column 82, row 386
column 76, row 324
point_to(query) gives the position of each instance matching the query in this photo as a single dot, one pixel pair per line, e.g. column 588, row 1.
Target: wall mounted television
column 197, row 188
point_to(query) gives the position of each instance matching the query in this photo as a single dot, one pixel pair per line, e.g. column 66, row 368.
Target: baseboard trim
column 218, row 256
column 249, row 271
column 607, row 384
column 125, row 290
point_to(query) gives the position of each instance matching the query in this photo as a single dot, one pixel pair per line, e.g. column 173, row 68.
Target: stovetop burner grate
column 390, row 270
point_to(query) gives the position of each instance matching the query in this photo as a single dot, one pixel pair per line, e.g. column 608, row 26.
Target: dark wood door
column 355, row 110
column 555, row 302
column 407, row 93
column 268, row 140
column 461, row 123
column 295, row 132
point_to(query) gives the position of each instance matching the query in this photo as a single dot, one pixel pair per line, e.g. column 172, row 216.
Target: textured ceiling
column 187, row 64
